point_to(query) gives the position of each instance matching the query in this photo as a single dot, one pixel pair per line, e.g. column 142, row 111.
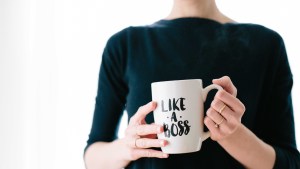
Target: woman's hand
column 140, row 136
column 226, row 111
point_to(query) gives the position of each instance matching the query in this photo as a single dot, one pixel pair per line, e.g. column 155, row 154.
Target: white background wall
column 50, row 52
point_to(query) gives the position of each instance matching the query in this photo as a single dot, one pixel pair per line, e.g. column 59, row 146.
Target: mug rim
column 171, row 81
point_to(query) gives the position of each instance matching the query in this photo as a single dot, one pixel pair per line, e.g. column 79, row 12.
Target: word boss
column 176, row 127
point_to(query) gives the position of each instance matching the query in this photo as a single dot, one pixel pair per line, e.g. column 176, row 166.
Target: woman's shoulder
column 124, row 33
column 252, row 31
column 257, row 31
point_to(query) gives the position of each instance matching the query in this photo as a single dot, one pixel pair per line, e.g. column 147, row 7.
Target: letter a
column 174, row 117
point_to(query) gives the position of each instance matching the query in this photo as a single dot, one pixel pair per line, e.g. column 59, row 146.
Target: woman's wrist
column 248, row 149
column 236, row 134
column 110, row 155
column 120, row 151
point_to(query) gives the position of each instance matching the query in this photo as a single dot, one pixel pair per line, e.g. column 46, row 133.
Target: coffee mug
column 180, row 110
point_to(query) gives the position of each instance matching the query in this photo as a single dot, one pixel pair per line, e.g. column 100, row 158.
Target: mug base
column 180, row 152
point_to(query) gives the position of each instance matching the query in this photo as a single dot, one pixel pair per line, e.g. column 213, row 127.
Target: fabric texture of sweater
column 253, row 56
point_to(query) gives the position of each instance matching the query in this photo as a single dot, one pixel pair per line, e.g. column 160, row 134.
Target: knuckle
column 214, row 103
column 148, row 153
column 213, row 113
column 241, row 115
column 243, row 108
column 209, row 112
column 230, row 128
column 140, row 109
column 240, row 110
column 221, row 94
column 206, row 120
column 226, row 79
column 142, row 143
column 235, row 90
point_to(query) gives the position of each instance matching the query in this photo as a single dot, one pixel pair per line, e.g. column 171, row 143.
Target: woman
column 196, row 41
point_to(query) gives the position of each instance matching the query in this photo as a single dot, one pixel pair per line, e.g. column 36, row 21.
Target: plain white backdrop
column 50, row 53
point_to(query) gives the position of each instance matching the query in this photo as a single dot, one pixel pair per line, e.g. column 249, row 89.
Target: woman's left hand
column 226, row 111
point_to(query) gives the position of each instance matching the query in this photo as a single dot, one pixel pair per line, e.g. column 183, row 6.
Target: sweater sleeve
column 111, row 94
column 278, row 127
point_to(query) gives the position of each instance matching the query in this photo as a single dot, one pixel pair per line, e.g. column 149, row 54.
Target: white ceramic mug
column 180, row 110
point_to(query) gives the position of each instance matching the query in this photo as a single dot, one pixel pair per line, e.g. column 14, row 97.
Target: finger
column 143, row 130
column 210, row 124
column 139, row 153
column 153, row 136
column 235, row 104
column 142, row 112
column 227, row 113
column 223, row 130
column 227, row 84
column 148, row 143
column 215, row 116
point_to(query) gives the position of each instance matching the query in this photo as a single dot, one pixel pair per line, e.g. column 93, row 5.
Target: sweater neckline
column 190, row 21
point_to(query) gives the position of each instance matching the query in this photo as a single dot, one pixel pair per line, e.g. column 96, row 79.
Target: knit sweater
column 253, row 56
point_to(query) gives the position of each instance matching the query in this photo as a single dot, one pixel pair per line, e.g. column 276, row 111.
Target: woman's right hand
column 140, row 136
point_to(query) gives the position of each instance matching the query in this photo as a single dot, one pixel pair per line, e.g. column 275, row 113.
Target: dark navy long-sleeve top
column 253, row 56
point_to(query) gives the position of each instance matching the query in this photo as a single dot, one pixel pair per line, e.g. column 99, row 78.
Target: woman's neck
column 197, row 8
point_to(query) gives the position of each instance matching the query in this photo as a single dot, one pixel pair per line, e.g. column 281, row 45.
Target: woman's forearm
column 108, row 155
column 249, row 150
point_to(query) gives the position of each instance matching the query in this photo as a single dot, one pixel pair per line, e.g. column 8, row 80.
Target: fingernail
column 162, row 143
column 165, row 155
column 152, row 104
column 159, row 129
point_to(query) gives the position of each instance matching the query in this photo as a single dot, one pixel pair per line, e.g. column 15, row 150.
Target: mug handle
column 205, row 91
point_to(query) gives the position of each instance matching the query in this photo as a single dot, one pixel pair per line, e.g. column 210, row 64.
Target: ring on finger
column 218, row 124
column 222, row 108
